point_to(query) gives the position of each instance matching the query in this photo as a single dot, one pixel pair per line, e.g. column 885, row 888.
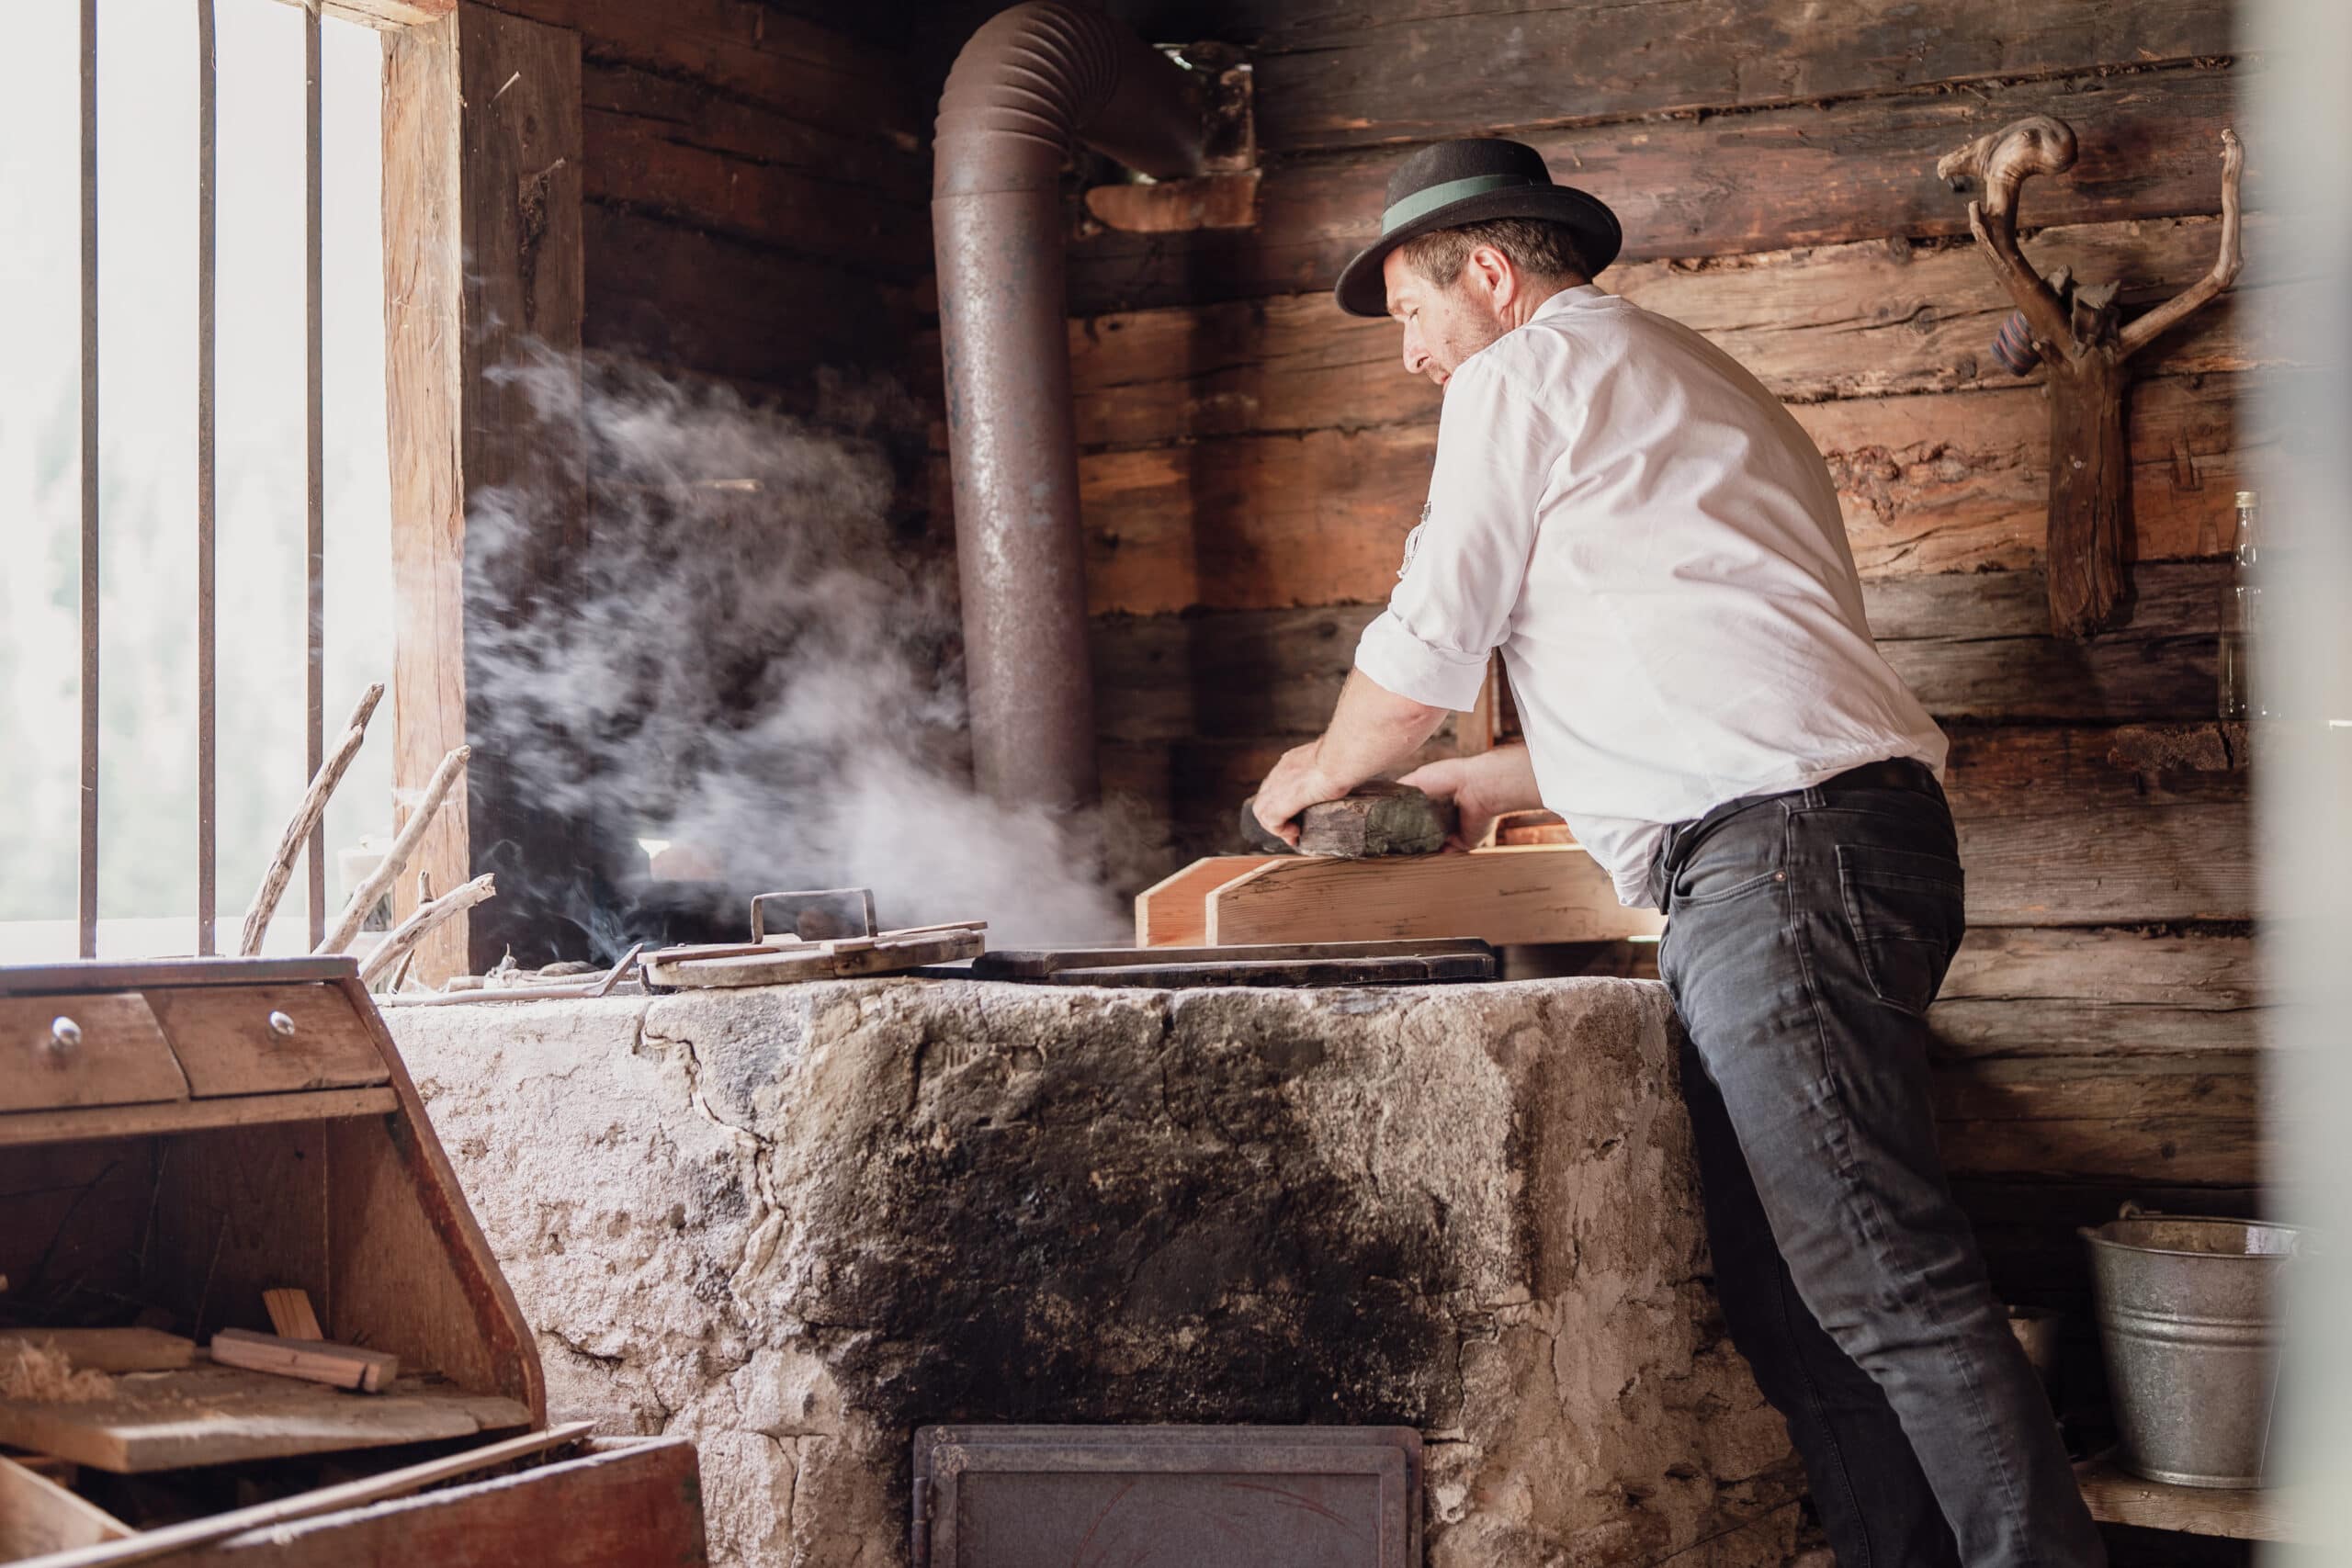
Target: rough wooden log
column 1713, row 185
column 1864, row 319
column 1333, row 76
column 2097, row 992
column 1971, row 645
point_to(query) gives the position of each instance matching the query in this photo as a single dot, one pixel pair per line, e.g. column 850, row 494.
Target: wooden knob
column 63, row 1034
column 282, row 1025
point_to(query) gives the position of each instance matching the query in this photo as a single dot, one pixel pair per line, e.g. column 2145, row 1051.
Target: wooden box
column 177, row 1137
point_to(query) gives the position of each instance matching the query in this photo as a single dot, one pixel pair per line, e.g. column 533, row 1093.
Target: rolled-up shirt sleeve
column 1465, row 563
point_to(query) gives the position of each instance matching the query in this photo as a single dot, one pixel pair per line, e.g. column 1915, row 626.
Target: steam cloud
column 747, row 656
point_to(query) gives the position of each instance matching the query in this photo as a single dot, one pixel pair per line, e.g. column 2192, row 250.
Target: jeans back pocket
column 1908, row 912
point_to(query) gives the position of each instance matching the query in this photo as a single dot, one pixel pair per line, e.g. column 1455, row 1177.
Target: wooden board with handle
column 1539, row 893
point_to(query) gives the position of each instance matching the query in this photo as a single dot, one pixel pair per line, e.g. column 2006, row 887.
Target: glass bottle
column 2241, row 615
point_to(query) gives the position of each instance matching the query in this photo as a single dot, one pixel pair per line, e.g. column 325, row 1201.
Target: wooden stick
column 313, row 1361
column 346, row 925
column 150, row 1544
column 306, row 817
column 402, row 939
column 291, row 1314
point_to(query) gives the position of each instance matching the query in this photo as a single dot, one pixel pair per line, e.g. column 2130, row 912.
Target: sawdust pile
column 40, row 1371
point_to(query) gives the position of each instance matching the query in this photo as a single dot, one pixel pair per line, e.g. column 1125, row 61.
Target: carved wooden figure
column 2073, row 330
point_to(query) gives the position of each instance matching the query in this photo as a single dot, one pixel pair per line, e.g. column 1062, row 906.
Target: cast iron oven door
column 1168, row 1497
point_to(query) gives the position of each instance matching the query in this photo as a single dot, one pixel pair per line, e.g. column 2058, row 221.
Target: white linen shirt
column 1655, row 545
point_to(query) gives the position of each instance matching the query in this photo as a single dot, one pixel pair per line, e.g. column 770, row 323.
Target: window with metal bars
column 194, row 489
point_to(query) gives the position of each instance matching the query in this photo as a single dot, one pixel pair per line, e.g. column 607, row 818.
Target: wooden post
column 483, row 156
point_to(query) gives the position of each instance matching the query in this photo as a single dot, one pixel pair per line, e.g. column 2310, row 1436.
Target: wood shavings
column 39, row 1371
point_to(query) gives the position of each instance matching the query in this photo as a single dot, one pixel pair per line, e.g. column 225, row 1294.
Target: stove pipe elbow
column 1032, row 81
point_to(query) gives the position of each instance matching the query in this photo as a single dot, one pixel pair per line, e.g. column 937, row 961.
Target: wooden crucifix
column 2072, row 328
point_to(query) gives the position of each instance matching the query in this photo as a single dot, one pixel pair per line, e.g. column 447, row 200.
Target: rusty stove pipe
column 1030, row 80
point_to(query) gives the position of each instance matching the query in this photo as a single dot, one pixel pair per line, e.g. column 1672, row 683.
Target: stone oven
column 798, row 1224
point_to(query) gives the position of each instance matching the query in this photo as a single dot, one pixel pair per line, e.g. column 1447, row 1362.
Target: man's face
column 1445, row 324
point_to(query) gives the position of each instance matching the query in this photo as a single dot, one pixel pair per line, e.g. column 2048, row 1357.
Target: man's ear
column 1495, row 277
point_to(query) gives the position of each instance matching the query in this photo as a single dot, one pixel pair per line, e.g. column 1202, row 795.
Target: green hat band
column 1422, row 202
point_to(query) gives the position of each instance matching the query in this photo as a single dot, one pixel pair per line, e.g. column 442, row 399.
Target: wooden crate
column 178, row 1138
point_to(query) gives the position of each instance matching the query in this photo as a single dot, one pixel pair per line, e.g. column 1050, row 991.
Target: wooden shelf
column 2118, row 1497
column 81, row 1122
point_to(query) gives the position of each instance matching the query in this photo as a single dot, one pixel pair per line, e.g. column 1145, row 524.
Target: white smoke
column 746, row 655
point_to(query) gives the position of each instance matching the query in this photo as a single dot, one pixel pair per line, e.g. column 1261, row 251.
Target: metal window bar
column 89, row 896
column 207, row 114
column 315, row 552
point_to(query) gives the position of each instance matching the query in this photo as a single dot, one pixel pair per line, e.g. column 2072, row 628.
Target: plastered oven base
column 793, row 1224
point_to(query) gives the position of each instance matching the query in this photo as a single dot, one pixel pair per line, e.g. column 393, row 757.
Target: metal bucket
column 2187, row 1319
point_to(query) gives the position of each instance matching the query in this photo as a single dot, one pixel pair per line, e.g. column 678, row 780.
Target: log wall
column 754, row 190
column 1253, row 459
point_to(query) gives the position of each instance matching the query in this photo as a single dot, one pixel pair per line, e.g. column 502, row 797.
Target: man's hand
column 1296, row 784
column 1371, row 731
column 1482, row 787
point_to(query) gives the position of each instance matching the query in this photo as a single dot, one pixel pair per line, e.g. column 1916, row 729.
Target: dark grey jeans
column 1807, row 934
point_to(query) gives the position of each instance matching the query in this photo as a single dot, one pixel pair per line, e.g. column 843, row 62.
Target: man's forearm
column 1371, row 730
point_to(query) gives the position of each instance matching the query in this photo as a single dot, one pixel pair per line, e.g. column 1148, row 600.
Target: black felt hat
column 1454, row 182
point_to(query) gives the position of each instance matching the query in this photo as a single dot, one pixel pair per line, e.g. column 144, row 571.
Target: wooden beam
column 387, row 15
column 2118, row 1497
column 1500, row 895
column 2097, row 992
column 1867, row 319
column 1714, row 184
column 1330, row 76
column 483, row 161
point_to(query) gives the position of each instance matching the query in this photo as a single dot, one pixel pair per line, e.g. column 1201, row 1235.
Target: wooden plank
column 313, row 1361
column 1971, row 645
column 143, row 1120
column 192, row 1535
column 1335, row 76
column 214, row 1415
column 1959, row 481
column 625, row 1501
column 483, row 271
column 761, row 55
column 2221, row 1085
column 145, row 974
column 291, row 1314
column 84, row 1051
column 2177, row 862
column 38, row 1515
column 2026, row 991
column 236, row 1211
column 1174, row 912
column 1867, row 319
column 720, row 306
column 831, row 186
column 108, row 1349
column 1927, row 484
column 2118, row 1497
column 1811, row 174
column 1977, row 646
column 227, row 1043
column 1497, row 895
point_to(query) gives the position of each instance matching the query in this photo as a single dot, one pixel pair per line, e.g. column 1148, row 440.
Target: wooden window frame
column 483, row 148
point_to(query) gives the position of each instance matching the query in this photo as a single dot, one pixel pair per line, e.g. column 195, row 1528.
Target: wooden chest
column 176, row 1138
